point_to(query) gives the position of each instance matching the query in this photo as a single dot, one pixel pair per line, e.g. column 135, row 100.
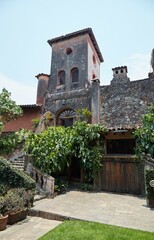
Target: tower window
column 94, row 59
column 116, row 71
column 94, row 76
column 121, row 71
column 75, row 75
column 68, row 51
column 61, row 78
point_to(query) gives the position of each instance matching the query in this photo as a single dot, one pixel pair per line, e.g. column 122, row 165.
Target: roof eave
column 77, row 33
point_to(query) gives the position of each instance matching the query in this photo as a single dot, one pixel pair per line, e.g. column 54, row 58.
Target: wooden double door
column 121, row 175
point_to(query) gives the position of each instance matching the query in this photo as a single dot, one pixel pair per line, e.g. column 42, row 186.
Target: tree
column 145, row 134
column 8, row 108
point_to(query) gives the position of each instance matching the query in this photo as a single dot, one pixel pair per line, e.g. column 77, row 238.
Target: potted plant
column 150, row 187
column 3, row 214
column 15, row 206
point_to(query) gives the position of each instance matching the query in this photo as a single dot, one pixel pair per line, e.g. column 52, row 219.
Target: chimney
column 120, row 75
column 41, row 87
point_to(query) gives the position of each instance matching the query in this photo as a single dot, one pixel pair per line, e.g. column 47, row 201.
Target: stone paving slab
column 115, row 209
column 30, row 229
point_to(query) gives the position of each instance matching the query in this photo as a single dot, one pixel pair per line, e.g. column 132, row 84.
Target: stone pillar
column 95, row 102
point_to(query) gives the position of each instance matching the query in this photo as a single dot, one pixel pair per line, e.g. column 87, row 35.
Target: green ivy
column 51, row 149
column 88, row 147
column 54, row 148
column 10, row 141
column 145, row 134
column 13, row 177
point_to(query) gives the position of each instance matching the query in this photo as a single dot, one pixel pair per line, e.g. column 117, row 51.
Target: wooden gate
column 121, row 175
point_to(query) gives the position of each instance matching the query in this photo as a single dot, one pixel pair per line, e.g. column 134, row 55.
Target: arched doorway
column 66, row 117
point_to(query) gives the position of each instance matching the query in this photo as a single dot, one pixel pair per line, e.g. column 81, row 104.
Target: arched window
column 61, row 78
column 66, row 117
column 75, row 75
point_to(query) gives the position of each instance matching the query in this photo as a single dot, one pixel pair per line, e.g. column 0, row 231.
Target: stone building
column 74, row 78
column 74, row 83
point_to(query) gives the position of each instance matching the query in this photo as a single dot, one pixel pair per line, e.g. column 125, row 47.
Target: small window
column 121, row 71
column 68, row 51
column 116, row 71
column 94, row 76
column 121, row 146
column 94, row 59
column 61, row 78
column 75, row 75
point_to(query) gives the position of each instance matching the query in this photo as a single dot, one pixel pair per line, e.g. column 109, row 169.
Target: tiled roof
column 42, row 74
column 121, row 128
column 79, row 33
column 30, row 106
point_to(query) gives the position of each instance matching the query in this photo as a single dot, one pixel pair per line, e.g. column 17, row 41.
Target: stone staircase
column 18, row 161
column 44, row 182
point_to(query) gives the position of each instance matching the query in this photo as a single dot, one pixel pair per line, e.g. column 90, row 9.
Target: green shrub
column 149, row 177
column 86, row 187
column 56, row 147
column 8, row 143
column 3, row 189
column 145, row 134
column 61, row 186
column 14, row 177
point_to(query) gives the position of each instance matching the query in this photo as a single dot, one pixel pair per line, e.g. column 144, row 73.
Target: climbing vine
column 54, row 148
column 145, row 134
column 10, row 141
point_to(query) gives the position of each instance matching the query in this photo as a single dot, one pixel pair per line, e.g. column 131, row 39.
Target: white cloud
column 138, row 66
column 20, row 92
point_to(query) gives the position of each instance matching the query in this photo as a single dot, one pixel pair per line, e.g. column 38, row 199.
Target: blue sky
column 123, row 29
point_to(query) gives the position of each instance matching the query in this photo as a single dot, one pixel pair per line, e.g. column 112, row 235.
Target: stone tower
column 74, row 76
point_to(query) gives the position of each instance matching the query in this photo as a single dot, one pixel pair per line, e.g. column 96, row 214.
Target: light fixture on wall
column 63, row 102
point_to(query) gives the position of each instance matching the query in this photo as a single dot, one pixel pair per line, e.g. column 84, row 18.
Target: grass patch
column 82, row 230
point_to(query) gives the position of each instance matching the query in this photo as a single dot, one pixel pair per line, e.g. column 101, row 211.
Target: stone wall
column 76, row 99
column 123, row 103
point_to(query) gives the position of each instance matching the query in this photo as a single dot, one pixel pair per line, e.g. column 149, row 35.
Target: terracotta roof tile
column 42, row 74
column 30, row 106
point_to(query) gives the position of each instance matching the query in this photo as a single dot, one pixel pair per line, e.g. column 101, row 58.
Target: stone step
column 19, row 168
column 49, row 215
column 17, row 163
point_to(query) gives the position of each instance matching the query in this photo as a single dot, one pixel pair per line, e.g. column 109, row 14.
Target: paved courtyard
column 115, row 209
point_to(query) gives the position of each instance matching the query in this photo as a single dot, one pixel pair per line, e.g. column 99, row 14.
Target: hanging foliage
column 145, row 134
column 54, row 148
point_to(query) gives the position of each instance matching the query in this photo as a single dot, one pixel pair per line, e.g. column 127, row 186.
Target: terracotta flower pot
column 3, row 222
column 15, row 217
column 151, row 202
